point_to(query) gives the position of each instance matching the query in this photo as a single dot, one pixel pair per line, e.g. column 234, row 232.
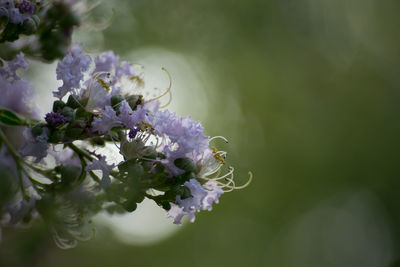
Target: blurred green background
column 307, row 92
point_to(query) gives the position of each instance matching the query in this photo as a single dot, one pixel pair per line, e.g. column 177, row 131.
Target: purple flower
column 9, row 68
column 8, row 162
column 202, row 199
column 128, row 117
column 213, row 194
column 16, row 93
column 106, row 122
column 8, row 9
column 133, row 132
column 55, row 119
column 106, row 62
column 35, row 146
column 66, row 157
column 70, row 70
column 20, row 209
column 176, row 212
column 126, row 69
column 16, row 96
column 102, row 165
column 26, row 7
column 186, row 138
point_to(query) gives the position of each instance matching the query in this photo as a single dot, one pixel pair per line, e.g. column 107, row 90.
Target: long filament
column 166, row 92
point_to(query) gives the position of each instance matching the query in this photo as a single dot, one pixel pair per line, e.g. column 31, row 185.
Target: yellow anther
column 104, row 84
column 217, row 155
column 139, row 81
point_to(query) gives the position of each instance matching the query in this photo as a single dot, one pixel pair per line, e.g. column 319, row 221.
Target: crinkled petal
column 71, row 70
column 102, row 165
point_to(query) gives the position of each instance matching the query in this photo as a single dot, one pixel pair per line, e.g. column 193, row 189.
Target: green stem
column 16, row 158
column 82, row 175
column 80, row 151
column 9, row 145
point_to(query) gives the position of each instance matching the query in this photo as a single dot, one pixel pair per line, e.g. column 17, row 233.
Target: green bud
column 135, row 171
column 134, row 101
column 82, row 113
column 130, row 206
column 185, row 193
column 36, row 20
column 58, row 105
column 69, row 174
column 115, row 100
column 185, row 164
column 56, row 136
column 166, row 205
column 147, row 165
column 70, row 20
column 73, row 133
column 67, row 112
column 97, row 141
column 37, row 130
column 178, row 190
column 78, row 123
column 29, row 26
column 73, row 102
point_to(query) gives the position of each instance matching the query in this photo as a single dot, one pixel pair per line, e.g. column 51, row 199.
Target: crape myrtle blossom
column 70, row 70
column 16, row 207
column 202, row 199
column 35, row 146
column 165, row 158
column 127, row 118
column 16, row 13
column 16, row 93
column 102, row 165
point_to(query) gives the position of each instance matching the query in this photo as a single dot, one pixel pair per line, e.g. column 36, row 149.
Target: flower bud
column 73, row 102
column 29, row 26
column 58, row 105
column 134, row 101
column 185, row 164
column 56, row 136
column 67, row 112
column 82, row 113
column 69, row 174
column 73, row 133
column 130, row 206
column 135, row 171
column 37, row 130
column 115, row 100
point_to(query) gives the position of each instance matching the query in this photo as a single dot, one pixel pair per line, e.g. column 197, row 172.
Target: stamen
column 218, row 156
column 104, row 84
column 219, row 137
column 231, row 183
column 137, row 80
column 166, row 92
column 169, row 101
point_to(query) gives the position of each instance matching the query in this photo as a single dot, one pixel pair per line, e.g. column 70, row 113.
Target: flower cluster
column 49, row 23
column 52, row 168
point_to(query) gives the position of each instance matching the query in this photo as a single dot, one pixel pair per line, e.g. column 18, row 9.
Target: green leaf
column 8, row 117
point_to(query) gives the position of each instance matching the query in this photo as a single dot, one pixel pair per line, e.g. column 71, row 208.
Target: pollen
column 218, row 155
column 139, row 81
column 104, row 84
column 145, row 126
